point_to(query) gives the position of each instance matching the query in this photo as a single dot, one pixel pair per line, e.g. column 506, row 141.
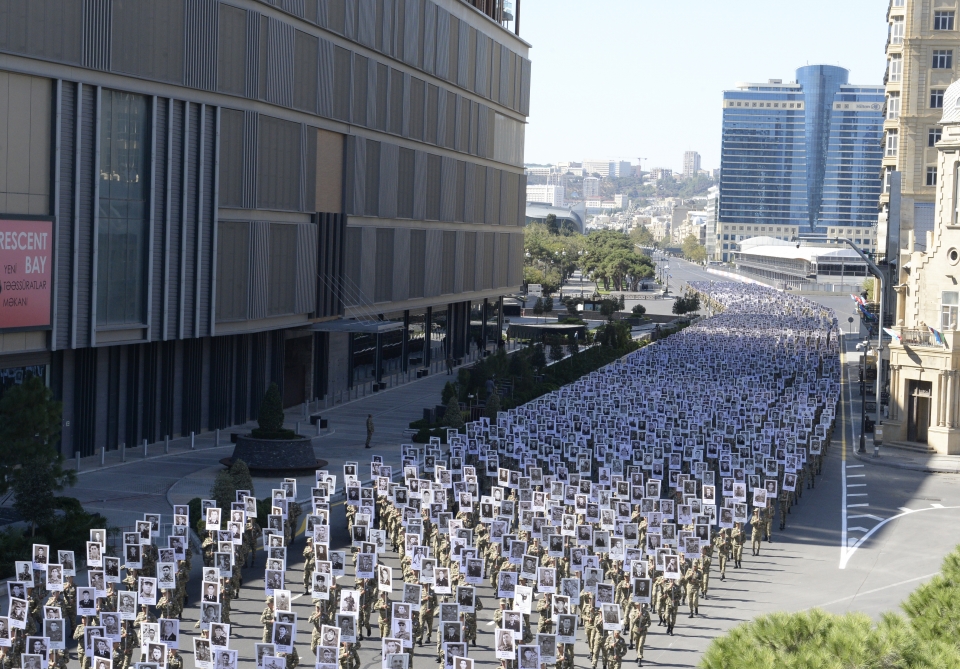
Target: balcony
column 917, row 338
column 503, row 12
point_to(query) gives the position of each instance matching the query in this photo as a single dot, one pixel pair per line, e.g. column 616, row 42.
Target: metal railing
column 917, row 338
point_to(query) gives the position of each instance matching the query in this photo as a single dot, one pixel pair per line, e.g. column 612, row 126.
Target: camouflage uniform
column 615, row 649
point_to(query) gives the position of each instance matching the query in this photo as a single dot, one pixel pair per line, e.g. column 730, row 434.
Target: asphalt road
column 860, row 541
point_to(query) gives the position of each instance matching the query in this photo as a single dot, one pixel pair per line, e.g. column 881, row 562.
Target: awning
column 353, row 325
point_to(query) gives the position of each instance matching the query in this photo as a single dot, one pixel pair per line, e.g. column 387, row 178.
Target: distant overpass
column 537, row 213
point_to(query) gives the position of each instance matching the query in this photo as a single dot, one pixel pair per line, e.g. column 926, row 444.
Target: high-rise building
column 604, row 168
column 234, row 195
column 922, row 50
column 591, row 187
column 801, row 154
column 691, row 164
column 552, row 195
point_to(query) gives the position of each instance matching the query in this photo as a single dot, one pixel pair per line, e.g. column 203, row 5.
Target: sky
column 630, row 79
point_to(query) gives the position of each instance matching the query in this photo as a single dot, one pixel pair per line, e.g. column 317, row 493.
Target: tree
column 224, row 489
column 548, row 304
column 868, row 288
column 686, row 304
column 573, row 345
column 556, row 350
column 453, row 417
column 538, row 307
column 448, row 392
column 537, row 358
column 31, row 464
column 608, row 308
column 692, row 250
column 641, row 236
column 493, row 406
column 240, row 474
column 638, row 310
column 270, row 419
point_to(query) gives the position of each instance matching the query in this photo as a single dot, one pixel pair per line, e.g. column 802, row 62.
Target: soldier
column 470, row 622
column 428, row 608
column 316, row 621
column 638, row 631
column 615, row 649
column 266, row 619
column 292, row 658
column 756, row 529
column 722, row 543
column 544, row 606
column 674, row 596
column 349, row 658
column 784, row 501
column 694, row 581
column 81, row 649
column 596, row 644
column 739, row 537
column 174, row 661
column 309, row 561
column 768, row 523
column 383, row 609
column 69, row 601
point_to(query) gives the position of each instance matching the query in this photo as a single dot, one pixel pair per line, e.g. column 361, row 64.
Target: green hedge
column 927, row 637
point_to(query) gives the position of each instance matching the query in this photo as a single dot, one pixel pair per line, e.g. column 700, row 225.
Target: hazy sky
column 625, row 79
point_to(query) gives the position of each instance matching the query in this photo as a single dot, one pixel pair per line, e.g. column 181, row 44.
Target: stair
column 910, row 446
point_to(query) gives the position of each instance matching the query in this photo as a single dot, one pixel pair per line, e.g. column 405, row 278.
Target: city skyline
column 575, row 60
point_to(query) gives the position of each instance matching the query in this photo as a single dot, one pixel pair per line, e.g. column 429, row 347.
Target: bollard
column 318, row 428
column 78, row 457
column 217, row 438
column 166, row 444
column 123, row 452
column 103, row 455
column 297, row 428
column 144, row 448
column 193, row 441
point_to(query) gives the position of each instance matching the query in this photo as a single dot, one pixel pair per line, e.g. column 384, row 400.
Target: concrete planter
column 275, row 455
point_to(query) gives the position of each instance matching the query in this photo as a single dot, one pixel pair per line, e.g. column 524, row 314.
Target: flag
column 866, row 314
column 937, row 337
column 894, row 335
column 856, row 298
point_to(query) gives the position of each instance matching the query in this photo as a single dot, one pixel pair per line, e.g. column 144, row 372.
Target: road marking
column 856, row 529
column 843, row 456
column 296, row 597
column 853, row 506
column 856, row 476
column 858, row 494
column 937, row 506
column 865, row 515
column 854, row 467
column 905, row 509
column 866, row 536
column 870, row 592
column 856, row 485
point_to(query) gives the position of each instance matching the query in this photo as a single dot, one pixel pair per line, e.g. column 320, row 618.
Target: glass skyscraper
column 852, row 182
column 804, row 154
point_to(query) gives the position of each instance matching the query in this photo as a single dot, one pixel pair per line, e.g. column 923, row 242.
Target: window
column 123, row 208
column 931, row 176
column 942, row 59
column 933, row 136
column 936, row 98
column 893, row 105
column 943, row 20
column 949, row 306
column 896, row 68
column 897, row 3
column 896, row 30
column 893, row 143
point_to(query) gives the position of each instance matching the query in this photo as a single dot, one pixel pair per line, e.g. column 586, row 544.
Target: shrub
column 453, row 417
column 538, row 359
column 493, row 406
column 638, row 310
column 448, row 391
column 240, row 474
column 270, row 418
column 224, row 490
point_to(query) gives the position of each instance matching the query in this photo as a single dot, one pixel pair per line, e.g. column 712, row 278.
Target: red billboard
column 26, row 272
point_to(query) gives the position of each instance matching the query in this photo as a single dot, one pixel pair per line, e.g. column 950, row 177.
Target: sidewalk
column 899, row 458
column 124, row 490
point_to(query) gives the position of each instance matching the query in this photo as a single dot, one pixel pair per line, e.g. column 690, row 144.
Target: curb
column 910, row 466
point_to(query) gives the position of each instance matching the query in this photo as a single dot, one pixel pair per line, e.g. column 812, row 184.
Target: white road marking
column 937, row 506
column 856, row 476
column 856, row 529
column 876, row 527
column 870, row 592
column 853, row 506
column 905, row 509
column 856, row 485
column 854, row 467
column 859, row 494
column 866, row 515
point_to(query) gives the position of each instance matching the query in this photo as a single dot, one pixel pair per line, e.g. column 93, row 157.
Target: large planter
column 273, row 456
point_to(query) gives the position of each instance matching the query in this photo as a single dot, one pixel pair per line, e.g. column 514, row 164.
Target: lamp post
column 862, row 347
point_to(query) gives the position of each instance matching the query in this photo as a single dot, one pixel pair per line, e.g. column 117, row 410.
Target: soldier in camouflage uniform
column 756, row 529
column 470, row 622
column 384, row 612
column 316, row 623
column 309, row 562
column 428, row 609
column 174, row 661
column 639, row 625
column 739, row 537
column 674, row 595
column 694, row 580
column 266, row 619
column 81, row 649
column 349, row 658
column 615, row 649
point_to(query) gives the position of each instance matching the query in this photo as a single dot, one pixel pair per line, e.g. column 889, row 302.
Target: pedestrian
column 369, row 429
column 449, row 364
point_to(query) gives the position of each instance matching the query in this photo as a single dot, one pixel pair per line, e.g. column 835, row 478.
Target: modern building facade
column 800, row 156
column 222, row 195
column 691, row 164
column 922, row 45
column 552, row 195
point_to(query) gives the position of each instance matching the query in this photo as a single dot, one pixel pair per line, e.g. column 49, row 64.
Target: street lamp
column 863, row 347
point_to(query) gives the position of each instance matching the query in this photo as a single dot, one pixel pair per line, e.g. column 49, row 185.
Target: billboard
column 26, row 272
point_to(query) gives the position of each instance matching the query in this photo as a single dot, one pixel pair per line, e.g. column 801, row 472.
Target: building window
column 942, row 59
column 942, row 20
column 897, row 3
column 931, row 176
column 123, row 204
column 949, row 306
column 893, row 105
column 936, row 98
column 896, row 30
column 933, row 136
column 893, row 143
column 896, row 68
